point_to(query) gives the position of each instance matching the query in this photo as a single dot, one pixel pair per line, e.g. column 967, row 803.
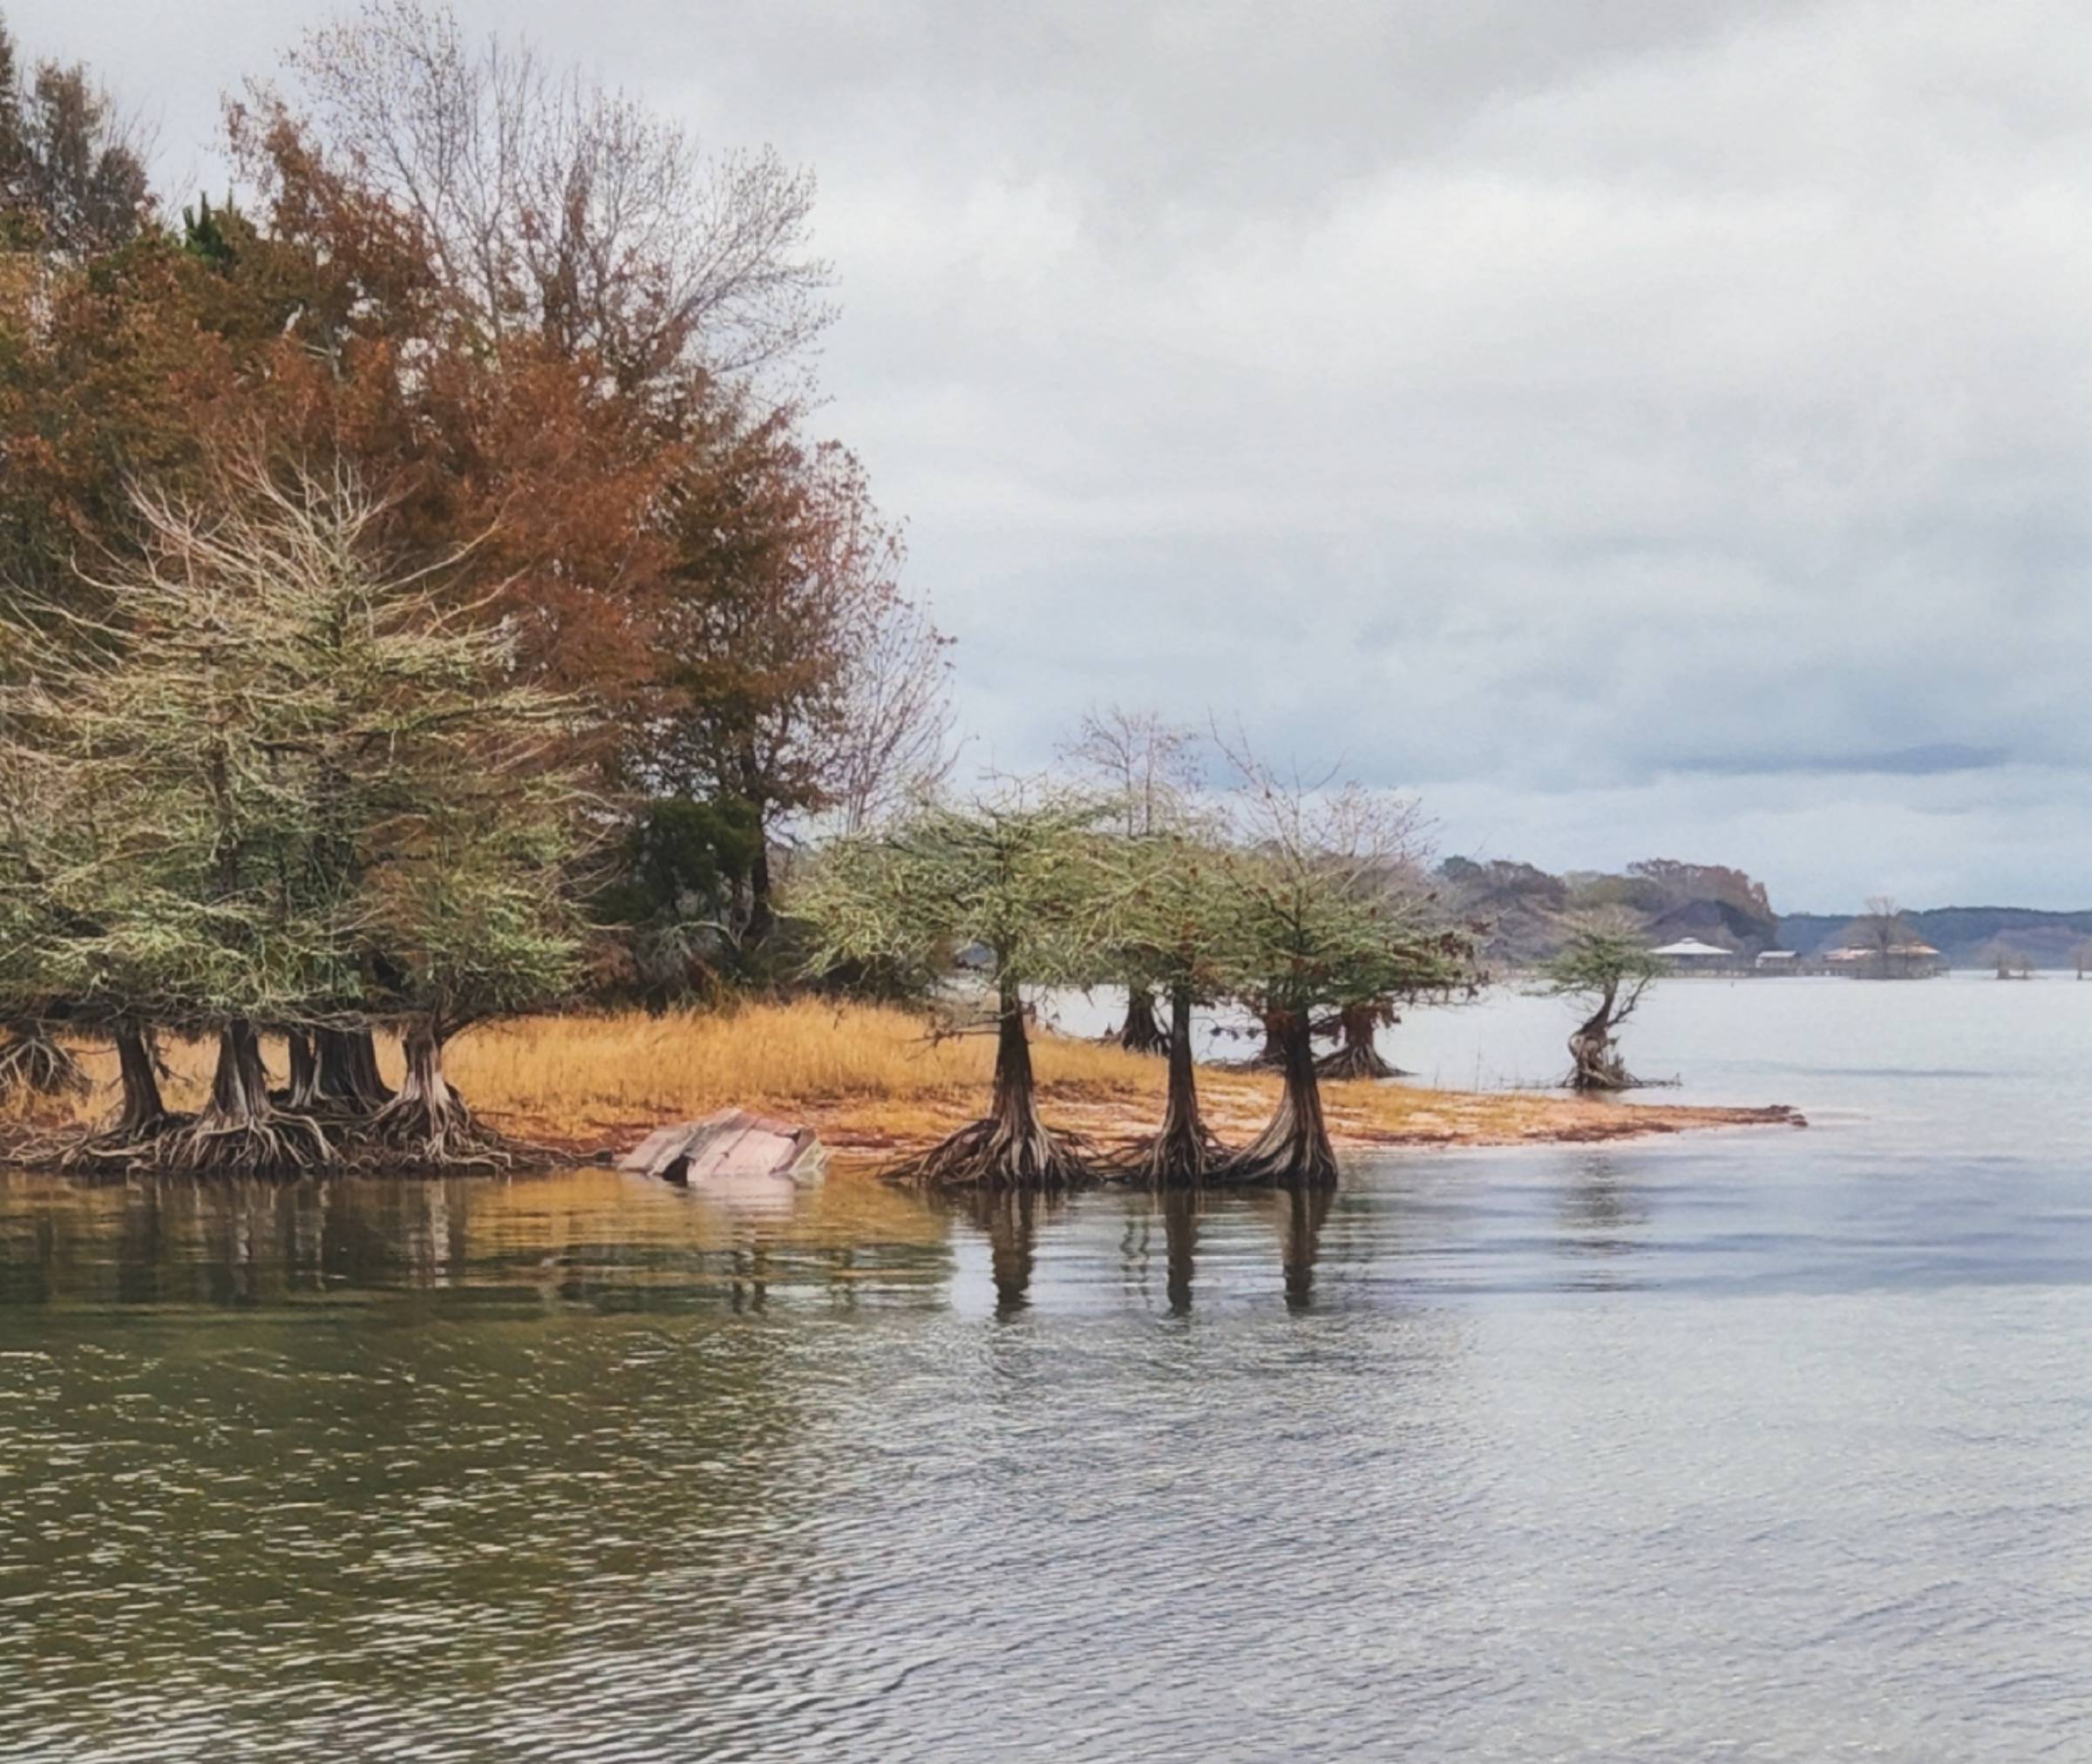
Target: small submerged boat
column 731, row 1149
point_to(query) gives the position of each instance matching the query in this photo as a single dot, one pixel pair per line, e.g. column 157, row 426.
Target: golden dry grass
column 876, row 1083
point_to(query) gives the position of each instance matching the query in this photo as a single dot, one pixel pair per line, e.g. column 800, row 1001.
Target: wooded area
column 429, row 599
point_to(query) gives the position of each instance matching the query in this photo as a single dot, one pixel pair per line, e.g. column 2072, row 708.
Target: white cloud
column 1614, row 417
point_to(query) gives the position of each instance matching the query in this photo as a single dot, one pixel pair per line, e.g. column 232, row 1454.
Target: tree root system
column 32, row 1063
column 997, row 1152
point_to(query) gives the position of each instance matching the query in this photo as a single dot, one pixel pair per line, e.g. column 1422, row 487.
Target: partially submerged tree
column 1322, row 925
column 1607, row 971
column 1169, row 934
column 1357, row 1053
column 1017, row 881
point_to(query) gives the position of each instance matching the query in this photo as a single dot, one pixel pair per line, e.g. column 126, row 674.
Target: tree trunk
column 239, row 1131
column 762, row 912
column 1142, row 1032
column 428, row 1123
column 1295, row 1150
column 303, row 1090
column 1184, row 1150
column 348, row 1070
column 1010, row 1148
column 1595, row 1062
column 144, row 1112
column 1357, row 1056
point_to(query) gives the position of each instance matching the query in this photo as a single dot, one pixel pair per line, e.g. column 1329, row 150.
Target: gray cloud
column 1648, row 427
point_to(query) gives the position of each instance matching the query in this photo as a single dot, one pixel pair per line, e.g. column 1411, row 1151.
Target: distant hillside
column 1966, row 936
column 1524, row 914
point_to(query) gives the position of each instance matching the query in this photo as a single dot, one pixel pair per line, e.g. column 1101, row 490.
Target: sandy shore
column 866, row 1134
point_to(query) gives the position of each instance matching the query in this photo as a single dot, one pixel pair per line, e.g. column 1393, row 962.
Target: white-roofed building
column 1689, row 955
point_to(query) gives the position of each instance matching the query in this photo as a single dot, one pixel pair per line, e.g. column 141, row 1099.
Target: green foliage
column 1328, row 905
column 209, row 235
column 683, row 860
column 1602, row 961
column 1179, row 911
column 1023, row 880
column 278, row 784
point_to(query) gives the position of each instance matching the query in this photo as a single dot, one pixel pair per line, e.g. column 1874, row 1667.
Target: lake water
column 1768, row 1444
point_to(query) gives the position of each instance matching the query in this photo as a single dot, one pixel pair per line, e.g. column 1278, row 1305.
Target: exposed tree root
column 1010, row 1147
column 428, row 1124
column 213, row 1143
column 1180, row 1159
column 31, row 1064
column 996, row 1152
column 1358, row 1060
column 117, row 1150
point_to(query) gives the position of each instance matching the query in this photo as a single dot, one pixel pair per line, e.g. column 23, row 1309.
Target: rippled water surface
column 1766, row 1445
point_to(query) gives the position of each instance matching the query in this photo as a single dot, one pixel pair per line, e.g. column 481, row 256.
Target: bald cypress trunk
column 427, row 1123
column 1294, row 1151
column 347, row 1077
column 1595, row 1062
column 303, row 1090
column 143, row 1113
column 1141, row 1033
column 1184, row 1150
column 1010, row 1146
column 239, row 1131
column 1358, row 1055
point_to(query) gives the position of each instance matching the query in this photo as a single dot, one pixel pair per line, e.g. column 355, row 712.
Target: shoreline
column 1364, row 1116
column 878, row 1087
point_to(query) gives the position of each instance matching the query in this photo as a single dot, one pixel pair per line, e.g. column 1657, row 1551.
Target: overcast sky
column 1646, row 427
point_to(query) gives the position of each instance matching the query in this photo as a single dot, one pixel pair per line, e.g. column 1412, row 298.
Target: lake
column 1761, row 1444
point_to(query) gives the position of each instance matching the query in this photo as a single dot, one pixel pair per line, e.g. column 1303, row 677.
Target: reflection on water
column 1764, row 1444
column 464, row 1245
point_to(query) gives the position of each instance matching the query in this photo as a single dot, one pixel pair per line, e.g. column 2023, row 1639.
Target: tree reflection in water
column 1180, row 1230
column 1301, row 1213
column 1010, row 1220
column 1601, row 1217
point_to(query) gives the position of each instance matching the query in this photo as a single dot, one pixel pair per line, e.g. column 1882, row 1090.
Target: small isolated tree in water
column 1016, row 882
column 1606, row 970
column 1318, row 925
